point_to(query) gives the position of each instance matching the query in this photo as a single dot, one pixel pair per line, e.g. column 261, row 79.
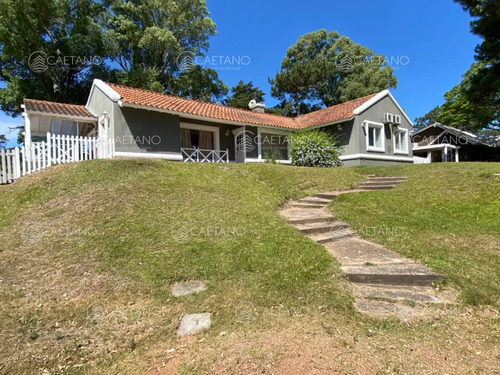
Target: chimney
column 257, row 107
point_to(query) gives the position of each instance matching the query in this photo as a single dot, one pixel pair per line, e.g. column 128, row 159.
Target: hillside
column 112, row 237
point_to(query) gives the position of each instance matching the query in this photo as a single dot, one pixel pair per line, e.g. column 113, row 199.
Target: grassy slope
column 120, row 219
column 109, row 237
column 450, row 214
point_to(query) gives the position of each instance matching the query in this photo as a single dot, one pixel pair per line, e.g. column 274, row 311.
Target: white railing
column 58, row 149
column 197, row 155
column 420, row 160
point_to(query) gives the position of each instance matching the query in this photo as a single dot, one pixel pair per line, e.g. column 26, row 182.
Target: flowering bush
column 314, row 148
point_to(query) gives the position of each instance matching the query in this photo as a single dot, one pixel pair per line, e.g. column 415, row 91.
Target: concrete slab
column 194, row 323
column 190, row 287
column 356, row 251
column 423, row 294
column 383, row 309
column 392, row 274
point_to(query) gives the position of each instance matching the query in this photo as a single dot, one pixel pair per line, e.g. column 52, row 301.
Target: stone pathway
column 191, row 324
column 384, row 282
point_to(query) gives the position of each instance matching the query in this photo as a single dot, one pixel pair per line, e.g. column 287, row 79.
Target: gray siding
column 143, row 131
column 376, row 113
column 347, row 135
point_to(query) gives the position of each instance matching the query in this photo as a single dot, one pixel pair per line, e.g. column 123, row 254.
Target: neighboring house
column 441, row 143
column 371, row 130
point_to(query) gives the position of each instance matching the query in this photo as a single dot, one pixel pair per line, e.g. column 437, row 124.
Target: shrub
column 314, row 148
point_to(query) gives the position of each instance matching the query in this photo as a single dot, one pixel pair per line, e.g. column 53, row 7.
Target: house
column 372, row 130
column 441, row 143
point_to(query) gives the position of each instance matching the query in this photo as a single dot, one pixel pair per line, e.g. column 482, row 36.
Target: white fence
column 197, row 155
column 58, row 149
column 420, row 160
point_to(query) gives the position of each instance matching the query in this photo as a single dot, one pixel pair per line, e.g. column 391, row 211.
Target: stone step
column 392, row 274
column 311, row 219
column 306, row 205
column 422, row 294
column 377, row 183
column 338, row 234
column 321, row 227
column 383, row 309
column 375, row 178
column 329, row 196
column 358, row 252
column 377, row 187
column 315, row 200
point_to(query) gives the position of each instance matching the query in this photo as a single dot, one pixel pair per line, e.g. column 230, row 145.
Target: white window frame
column 378, row 125
column 406, row 141
column 272, row 132
column 212, row 129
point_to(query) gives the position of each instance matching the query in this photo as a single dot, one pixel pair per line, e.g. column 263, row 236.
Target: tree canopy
column 38, row 29
column 324, row 69
column 483, row 87
column 428, row 119
column 134, row 42
column 243, row 93
column 460, row 111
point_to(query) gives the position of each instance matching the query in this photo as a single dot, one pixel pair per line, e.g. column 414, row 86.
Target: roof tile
column 57, row 108
column 171, row 103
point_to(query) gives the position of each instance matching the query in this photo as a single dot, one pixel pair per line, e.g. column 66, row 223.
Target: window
column 199, row 136
column 375, row 140
column 274, row 146
column 401, row 141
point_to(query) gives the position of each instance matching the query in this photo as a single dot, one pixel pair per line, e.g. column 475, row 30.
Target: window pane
column 371, row 137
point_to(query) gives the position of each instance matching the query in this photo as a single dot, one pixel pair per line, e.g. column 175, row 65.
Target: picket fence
column 58, row 149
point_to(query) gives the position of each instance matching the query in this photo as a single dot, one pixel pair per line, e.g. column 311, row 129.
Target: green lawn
column 117, row 234
column 445, row 215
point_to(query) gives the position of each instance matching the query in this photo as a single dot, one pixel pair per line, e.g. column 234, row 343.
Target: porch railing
column 196, row 155
column 58, row 149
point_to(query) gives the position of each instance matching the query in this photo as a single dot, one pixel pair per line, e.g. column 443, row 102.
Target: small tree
column 314, row 148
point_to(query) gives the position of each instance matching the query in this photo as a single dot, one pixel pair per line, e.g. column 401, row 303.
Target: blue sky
column 430, row 38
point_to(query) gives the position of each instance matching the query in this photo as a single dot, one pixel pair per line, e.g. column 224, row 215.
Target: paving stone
column 190, row 287
column 356, row 251
column 376, row 272
column 392, row 274
column 194, row 323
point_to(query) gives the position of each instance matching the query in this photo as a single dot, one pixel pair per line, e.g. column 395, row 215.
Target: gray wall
column 138, row 130
column 143, row 131
column 347, row 135
column 376, row 113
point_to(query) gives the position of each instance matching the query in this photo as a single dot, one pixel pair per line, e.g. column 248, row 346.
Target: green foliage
column 57, row 28
column 145, row 39
column 429, row 118
column 141, row 38
column 243, row 93
column 459, row 111
column 312, row 73
column 314, row 148
column 200, row 84
column 484, row 86
column 3, row 141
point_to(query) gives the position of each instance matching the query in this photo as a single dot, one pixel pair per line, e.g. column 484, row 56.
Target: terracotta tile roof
column 331, row 114
column 193, row 107
column 56, row 108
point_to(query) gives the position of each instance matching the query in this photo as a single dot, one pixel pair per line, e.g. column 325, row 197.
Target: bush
column 314, row 148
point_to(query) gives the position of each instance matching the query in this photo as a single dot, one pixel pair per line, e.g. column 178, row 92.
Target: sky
column 428, row 42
